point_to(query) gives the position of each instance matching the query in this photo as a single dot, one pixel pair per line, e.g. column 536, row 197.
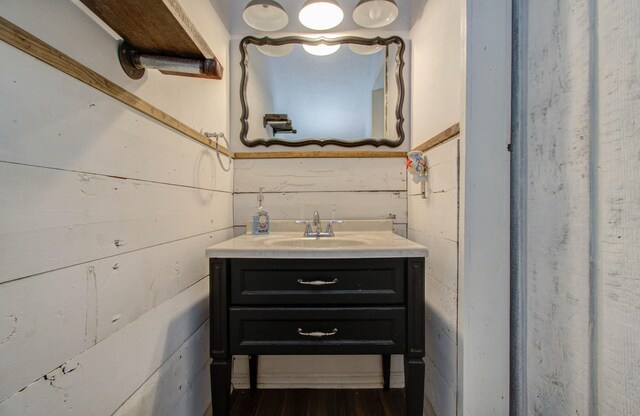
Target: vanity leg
column 253, row 372
column 220, row 386
column 414, row 385
column 386, row 370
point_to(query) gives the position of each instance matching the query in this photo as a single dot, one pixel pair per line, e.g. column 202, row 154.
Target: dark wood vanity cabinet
column 317, row 306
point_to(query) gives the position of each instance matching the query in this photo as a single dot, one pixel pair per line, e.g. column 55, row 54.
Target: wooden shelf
column 155, row 27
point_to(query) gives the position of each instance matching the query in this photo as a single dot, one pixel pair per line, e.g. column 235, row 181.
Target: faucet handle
column 330, row 228
column 307, row 230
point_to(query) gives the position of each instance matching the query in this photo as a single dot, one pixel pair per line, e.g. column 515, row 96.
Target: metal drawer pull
column 317, row 334
column 317, row 282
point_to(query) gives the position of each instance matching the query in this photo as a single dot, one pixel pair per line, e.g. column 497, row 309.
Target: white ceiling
column 230, row 12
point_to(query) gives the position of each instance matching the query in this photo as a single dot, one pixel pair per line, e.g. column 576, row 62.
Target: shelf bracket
column 134, row 64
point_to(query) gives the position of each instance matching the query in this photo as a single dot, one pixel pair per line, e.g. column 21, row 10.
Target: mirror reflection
column 345, row 91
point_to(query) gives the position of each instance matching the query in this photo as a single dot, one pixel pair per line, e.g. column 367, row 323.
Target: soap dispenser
column 261, row 220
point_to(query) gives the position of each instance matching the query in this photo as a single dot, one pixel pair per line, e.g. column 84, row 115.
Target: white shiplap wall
column 618, row 202
column 105, row 216
column 558, row 212
column 581, row 271
column 336, row 188
column 434, row 221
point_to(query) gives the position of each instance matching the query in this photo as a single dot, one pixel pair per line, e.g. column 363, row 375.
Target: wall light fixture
column 265, row 15
column 375, row 13
column 321, row 14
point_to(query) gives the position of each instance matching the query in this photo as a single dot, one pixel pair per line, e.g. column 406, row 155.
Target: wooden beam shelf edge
column 26, row 42
column 439, row 138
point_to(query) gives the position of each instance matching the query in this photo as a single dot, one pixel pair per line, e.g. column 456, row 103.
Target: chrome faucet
column 318, row 226
column 316, row 222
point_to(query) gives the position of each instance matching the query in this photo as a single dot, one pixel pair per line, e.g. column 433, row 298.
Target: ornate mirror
column 298, row 91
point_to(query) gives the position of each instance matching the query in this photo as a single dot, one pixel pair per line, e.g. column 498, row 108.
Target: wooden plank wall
column 105, row 217
column 434, row 221
column 336, row 188
column 582, row 187
column 32, row 45
column 558, row 214
column 618, row 208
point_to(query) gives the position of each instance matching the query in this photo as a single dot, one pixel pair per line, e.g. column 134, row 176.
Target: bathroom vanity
column 360, row 292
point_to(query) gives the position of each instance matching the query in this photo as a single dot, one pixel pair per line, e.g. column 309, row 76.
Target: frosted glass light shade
column 265, row 15
column 276, row 51
column 321, row 50
column 321, row 14
column 365, row 49
column 375, row 13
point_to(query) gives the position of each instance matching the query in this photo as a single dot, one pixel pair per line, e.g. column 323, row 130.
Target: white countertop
column 349, row 242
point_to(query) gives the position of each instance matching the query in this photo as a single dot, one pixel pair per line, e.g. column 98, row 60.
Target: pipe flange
column 126, row 57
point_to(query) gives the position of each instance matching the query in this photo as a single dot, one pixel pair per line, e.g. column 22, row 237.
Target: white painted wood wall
column 337, row 188
column 433, row 221
column 105, row 216
column 582, row 193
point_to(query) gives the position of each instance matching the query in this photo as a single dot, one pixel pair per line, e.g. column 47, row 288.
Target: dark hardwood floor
column 304, row 402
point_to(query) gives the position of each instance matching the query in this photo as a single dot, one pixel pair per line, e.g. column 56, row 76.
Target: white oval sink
column 322, row 242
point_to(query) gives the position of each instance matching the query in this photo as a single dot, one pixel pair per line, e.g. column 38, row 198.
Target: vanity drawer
column 334, row 282
column 317, row 330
